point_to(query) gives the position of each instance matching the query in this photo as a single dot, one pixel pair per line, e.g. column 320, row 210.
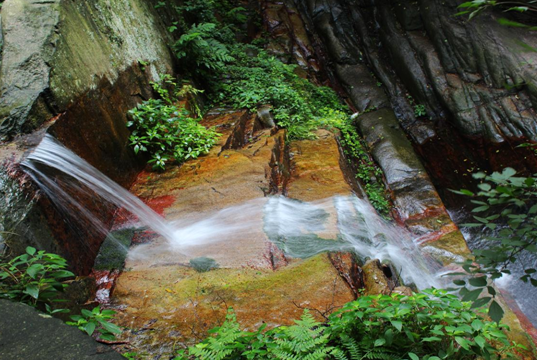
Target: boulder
column 27, row 334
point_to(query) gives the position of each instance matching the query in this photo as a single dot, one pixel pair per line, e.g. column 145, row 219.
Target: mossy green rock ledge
column 27, row 334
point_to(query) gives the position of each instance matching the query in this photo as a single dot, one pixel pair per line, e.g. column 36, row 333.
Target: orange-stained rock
column 183, row 304
column 164, row 300
column 316, row 172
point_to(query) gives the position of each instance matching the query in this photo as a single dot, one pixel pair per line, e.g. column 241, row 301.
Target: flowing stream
column 299, row 229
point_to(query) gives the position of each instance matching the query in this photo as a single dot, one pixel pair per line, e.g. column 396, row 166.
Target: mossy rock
column 203, row 264
column 114, row 250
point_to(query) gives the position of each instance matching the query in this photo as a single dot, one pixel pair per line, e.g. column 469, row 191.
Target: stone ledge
column 27, row 334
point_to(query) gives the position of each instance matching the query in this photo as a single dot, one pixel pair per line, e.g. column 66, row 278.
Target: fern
column 200, row 48
column 306, row 340
column 229, row 342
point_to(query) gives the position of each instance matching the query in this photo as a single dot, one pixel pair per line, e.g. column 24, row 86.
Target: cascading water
column 51, row 155
column 299, row 229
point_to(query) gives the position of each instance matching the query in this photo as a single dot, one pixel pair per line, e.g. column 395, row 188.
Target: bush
column 34, row 278
column 507, row 208
column 431, row 325
column 96, row 320
column 166, row 131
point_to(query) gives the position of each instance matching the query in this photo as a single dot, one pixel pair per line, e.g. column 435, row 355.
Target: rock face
column 462, row 91
column 219, row 204
column 56, row 51
column 28, row 334
column 74, row 69
column 461, row 88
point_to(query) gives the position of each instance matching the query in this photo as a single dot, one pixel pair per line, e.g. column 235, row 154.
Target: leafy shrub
column 254, row 80
column 507, row 208
column 199, row 48
column 166, row 131
column 34, row 278
column 427, row 325
column 431, row 325
column 96, row 320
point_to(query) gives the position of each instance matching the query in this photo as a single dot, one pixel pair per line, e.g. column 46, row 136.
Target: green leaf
column 380, row 342
column 462, row 342
column 397, row 324
column 472, row 295
column 480, row 341
column 30, row 250
column 89, row 328
column 484, row 186
column 33, row 270
column 431, row 339
column 495, row 311
column 413, row 356
column 481, row 302
column 478, row 281
column 111, row 327
column 32, row 290
column 505, row 22
column 508, row 172
column 477, row 324
column 481, row 208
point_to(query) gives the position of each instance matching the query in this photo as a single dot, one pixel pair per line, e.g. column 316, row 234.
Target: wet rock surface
column 27, row 334
column 72, row 69
column 165, row 297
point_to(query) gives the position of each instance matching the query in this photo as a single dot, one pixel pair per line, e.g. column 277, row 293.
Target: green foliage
column 96, row 320
column 506, row 207
column 419, row 110
column 427, row 325
column 475, row 7
column 166, row 131
column 255, row 78
column 368, row 172
column 431, row 325
column 35, row 278
column 229, row 343
column 199, row 48
column 245, row 76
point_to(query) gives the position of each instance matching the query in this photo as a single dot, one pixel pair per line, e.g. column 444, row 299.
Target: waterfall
column 300, row 229
column 84, row 179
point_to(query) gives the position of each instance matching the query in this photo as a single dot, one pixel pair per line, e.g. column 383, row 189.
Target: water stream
column 299, row 229
column 51, row 157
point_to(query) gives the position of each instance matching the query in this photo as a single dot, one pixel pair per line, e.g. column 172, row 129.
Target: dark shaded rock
column 114, row 250
column 364, row 90
column 408, row 14
column 22, row 222
column 27, row 334
column 203, row 264
column 348, row 269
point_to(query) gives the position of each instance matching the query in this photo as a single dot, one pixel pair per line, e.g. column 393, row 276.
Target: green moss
column 114, row 250
column 203, row 264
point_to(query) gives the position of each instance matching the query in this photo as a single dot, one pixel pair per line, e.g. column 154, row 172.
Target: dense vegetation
column 241, row 75
column 164, row 128
column 431, row 325
column 507, row 209
column 39, row 278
